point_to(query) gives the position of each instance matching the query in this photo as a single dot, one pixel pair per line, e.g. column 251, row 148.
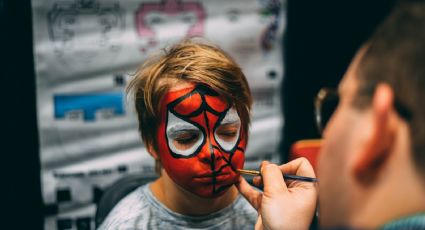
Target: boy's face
column 200, row 140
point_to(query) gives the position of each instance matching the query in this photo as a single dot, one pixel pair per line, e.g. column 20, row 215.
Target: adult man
column 372, row 162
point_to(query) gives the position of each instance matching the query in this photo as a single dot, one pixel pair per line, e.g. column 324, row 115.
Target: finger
column 300, row 167
column 257, row 181
column 272, row 179
column 263, row 164
column 253, row 196
column 259, row 224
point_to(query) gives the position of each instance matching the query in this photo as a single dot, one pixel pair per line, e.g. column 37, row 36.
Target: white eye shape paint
column 175, row 127
column 231, row 117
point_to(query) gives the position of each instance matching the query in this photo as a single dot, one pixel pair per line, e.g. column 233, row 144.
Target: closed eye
column 182, row 136
column 227, row 132
column 185, row 139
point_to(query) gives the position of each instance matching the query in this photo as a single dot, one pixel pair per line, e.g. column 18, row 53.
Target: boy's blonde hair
column 188, row 61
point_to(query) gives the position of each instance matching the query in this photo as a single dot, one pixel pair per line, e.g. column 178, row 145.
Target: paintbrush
column 287, row 177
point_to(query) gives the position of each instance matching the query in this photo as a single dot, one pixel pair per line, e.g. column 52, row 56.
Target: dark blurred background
column 321, row 38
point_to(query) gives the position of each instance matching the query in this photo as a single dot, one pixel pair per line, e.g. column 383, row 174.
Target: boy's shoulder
column 141, row 210
column 129, row 211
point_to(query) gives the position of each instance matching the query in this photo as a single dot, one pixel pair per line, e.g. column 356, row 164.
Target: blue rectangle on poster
column 88, row 103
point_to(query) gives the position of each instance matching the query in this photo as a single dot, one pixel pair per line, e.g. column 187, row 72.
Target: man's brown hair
column 193, row 61
column 396, row 55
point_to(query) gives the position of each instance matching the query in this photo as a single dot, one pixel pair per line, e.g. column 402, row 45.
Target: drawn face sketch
column 82, row 31
column 168, row 21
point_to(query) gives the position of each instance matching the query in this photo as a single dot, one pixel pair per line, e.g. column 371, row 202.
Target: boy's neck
column 186, row 203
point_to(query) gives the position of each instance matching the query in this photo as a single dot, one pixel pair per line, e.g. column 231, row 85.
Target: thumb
column 251, row 195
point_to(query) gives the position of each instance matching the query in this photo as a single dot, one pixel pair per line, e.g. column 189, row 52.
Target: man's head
column 193, row 105
column 374, row 144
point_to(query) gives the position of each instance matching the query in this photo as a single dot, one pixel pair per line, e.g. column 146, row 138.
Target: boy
column 193, row 106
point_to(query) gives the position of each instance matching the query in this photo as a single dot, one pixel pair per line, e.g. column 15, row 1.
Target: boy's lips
column 208, row 177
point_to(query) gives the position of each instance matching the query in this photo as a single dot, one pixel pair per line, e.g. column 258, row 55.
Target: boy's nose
column 210, row 153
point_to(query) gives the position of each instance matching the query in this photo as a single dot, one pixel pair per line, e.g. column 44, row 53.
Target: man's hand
column 283, row 204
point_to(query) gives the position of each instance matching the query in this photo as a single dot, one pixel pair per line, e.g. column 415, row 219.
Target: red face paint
column 200, row 140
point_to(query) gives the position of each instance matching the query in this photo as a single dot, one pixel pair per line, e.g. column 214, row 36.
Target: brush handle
column 286, row 177
column 301, row 178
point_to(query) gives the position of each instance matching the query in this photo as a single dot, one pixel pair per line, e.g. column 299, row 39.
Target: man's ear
column 379, row 141
column 150, row 146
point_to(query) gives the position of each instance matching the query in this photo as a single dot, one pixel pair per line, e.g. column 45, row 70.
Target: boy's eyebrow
column 232, row 116
column 180, row 127
column 229, row 122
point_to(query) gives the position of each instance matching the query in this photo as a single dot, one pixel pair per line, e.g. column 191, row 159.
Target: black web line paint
column 210, row 147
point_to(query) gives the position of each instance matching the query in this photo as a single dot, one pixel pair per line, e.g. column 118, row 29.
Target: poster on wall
column 86, row 52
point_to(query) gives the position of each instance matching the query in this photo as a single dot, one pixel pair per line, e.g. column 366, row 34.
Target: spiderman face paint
column 200, row 140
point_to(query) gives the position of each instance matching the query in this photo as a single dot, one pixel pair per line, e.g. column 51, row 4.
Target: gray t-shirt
column 141, row 210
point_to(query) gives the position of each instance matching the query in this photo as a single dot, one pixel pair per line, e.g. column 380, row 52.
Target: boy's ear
column 151, row 149
column 379, row 143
